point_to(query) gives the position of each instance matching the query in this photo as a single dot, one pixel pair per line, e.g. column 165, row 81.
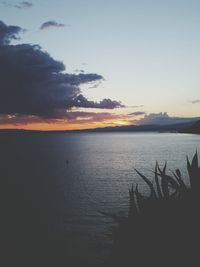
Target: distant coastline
column 194, row 129
column 189, row 127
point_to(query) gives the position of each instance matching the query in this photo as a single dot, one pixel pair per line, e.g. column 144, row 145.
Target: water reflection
column 55, row 185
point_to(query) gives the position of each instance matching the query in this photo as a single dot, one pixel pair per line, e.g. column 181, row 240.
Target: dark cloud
column 163, row 118
column 138, row 113
column 32, row 83
column 195, row 101
column 7, row 33
column 106, row 103
column 51, row 24
column 23, row 4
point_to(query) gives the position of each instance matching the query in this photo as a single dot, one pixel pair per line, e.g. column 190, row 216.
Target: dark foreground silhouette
column 32, row 209
column 28, row 237
column 162, row 229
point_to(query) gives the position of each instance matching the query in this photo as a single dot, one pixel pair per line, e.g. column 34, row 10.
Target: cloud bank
column 32, row 83
column 163, row 118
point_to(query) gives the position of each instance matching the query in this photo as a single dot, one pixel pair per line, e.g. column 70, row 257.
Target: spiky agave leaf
column 170, row 180
column 148, row 182
column 195, row 161
column 166, row 182
column 164, row 168
column 133, row 210
column 160, row 196
column 178, row 173
column 188, row 164
column 140, row 199
column 194, row 172
column 182, row 186
column 165, row 188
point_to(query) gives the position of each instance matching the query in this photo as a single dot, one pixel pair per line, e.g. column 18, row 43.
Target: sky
column 102, row 63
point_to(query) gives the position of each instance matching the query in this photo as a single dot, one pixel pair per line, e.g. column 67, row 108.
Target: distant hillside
column 145, row 128
column 179, row 127
column 195, row 128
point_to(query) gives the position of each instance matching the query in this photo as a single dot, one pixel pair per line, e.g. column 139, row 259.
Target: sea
column 68, row 184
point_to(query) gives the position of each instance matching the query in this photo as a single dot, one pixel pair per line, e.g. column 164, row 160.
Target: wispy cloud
column 52, row 24
column 78, row 71
column 196, row 101
column 137, row 106
column 138, row 113
column 23, row 4
column 20, row 5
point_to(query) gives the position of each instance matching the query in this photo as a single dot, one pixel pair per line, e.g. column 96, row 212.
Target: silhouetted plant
column 163, row 225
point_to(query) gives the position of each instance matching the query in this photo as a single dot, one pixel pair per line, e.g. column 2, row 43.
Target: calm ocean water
column 71, row 178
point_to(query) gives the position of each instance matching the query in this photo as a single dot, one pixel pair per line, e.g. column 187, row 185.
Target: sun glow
column 122, row 122
column 67, row 125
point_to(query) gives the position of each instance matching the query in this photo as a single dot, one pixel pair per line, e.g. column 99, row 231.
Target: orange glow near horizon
column 45, row 126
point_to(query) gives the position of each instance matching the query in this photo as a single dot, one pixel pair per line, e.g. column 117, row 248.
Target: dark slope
column 195, row 128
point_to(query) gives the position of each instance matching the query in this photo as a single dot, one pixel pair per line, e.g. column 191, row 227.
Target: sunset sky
column 99, row 63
